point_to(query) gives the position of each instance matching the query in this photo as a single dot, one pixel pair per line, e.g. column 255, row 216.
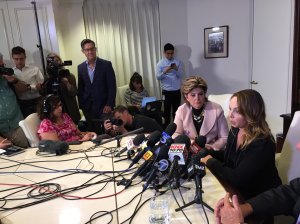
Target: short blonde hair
column 54, row 55
column 191, row 83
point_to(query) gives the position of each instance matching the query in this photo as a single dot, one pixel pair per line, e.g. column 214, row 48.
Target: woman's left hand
column 88, row 136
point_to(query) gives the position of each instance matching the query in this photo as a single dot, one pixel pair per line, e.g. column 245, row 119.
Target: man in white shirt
column 32, row 76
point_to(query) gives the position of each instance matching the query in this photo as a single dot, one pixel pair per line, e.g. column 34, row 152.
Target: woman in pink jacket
column 198, row 116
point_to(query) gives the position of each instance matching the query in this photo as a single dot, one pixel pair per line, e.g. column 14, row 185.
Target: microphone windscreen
column 171, row 129
column 153, row 138
column 163, row 152
column 53, row 147
column 183, row 139
column 200, row 141
column 98, row 139
column 138, row 139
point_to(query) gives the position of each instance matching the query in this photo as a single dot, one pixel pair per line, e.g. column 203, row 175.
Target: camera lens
column 117, row 122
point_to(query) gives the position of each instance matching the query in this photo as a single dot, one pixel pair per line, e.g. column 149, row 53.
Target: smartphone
column 13, row 150
column 173, row 64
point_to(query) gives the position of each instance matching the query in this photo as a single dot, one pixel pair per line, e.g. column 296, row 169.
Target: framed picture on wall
column 216, row 42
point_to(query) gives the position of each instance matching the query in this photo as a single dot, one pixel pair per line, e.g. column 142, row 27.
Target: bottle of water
column 159, row 211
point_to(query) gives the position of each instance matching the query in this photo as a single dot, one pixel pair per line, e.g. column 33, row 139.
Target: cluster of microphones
column 163, row 160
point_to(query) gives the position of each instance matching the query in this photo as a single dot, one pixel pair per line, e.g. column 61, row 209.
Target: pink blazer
column 214, row 125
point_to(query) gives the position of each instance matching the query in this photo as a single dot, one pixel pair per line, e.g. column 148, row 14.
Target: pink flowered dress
column 65, row 132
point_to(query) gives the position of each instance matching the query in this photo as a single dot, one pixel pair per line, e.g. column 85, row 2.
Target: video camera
column 55, row 69
column 6, row 71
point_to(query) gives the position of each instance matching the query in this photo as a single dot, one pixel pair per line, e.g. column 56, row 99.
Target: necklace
column 198, row 117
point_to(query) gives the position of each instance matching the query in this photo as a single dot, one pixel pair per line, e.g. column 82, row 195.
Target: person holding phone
column 169, row 72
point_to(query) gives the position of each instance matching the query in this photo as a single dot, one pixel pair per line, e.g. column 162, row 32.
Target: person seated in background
column 62, row 83
column 32, row 76
column 248, row 162
column 283, row 200
column 129, row 122
column 198, row 116
column 10, row 113
column 56, row 125
column 136, row 92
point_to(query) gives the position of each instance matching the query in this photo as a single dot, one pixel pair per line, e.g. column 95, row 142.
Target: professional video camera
column 55, row 69
column 56, row 72
column 6, row 71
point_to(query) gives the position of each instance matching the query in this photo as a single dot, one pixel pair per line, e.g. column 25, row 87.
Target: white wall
column 224, row 75
column 174, row 29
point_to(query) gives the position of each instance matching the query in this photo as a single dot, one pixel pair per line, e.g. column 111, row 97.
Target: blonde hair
column 191, row 83
column 54, row 55
column 251, row 105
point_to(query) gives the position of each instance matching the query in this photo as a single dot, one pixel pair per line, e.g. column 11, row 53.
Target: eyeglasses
column 90, row 49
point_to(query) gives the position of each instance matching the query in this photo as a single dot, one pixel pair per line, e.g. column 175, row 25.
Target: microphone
column 166, row 135
column 196, row 169
column 53, row 147
column 198, row 144
column 153, row 139
column 179, row 149
column 98, row 139
column 161, row 165
column 132, row 143
column 204, row 152
column 178, row 153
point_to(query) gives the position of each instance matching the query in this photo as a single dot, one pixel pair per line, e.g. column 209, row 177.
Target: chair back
column 289, row 160
column 223, row 100
column 30, row 126
column 120, row 100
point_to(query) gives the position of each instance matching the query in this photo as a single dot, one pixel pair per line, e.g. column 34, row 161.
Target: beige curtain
column 126, row 33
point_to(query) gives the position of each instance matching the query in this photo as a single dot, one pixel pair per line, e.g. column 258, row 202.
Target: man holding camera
column 169, row 72
column 123, row 122
column 33, row 78
column 10, row 113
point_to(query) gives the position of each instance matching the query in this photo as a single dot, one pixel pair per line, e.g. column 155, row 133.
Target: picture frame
column 216, row 42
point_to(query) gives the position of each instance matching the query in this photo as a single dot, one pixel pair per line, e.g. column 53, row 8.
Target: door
column 272, row 50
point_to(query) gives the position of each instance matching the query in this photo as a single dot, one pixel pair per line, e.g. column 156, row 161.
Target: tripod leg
column 194, row 202
column 207, row 206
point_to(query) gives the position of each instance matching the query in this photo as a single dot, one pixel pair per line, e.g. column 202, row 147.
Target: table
column 27, row 169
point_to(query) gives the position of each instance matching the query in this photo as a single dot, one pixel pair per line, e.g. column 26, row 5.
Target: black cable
column 178, row 203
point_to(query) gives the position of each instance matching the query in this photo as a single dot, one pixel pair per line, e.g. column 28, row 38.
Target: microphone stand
column 198, row 196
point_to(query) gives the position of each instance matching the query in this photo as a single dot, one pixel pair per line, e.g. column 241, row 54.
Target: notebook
column 147, row 100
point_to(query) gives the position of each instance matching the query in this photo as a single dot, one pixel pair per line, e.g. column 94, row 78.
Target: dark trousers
column 29, row 106
column 95, row 123
column 171, row 102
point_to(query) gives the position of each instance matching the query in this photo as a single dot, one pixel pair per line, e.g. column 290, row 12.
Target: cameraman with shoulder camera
column 33, row 78
column 123, row 122
column 62, row 83
column 10, row 113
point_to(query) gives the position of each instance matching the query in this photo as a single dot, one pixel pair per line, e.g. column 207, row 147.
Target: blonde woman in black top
column 248, row 162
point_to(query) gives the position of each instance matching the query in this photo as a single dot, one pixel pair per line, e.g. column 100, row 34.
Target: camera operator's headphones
column 46, row 104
